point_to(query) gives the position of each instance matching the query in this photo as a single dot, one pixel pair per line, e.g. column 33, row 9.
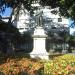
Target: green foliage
column 72, row 41
column 14, row 4
column 67, row 7
column 7, row 27
column 52, row 3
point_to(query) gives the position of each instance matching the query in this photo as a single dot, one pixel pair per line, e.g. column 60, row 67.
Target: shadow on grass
column 23, row 73
column 16, row 55
column 3, row 58
column 19, row 55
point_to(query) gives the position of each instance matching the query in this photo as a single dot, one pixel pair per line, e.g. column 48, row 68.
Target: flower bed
column 62, row 65
column 24, row 66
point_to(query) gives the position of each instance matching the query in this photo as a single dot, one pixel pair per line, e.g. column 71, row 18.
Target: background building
column 52, row 21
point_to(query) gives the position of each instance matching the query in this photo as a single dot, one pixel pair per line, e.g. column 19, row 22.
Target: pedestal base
column 39, row 55
column 39, row 50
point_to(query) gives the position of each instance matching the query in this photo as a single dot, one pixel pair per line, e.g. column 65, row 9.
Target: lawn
column 21, row 64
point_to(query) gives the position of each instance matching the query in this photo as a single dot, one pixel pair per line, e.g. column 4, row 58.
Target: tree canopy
column 15, row 4
column 66, row 7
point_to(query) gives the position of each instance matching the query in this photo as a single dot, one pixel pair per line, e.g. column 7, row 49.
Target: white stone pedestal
column 39, row 50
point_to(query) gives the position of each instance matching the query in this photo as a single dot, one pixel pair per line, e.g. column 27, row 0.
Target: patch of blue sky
column 72, row 27
column 7, row 12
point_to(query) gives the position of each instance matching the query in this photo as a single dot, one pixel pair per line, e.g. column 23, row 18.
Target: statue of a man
column 39, row 18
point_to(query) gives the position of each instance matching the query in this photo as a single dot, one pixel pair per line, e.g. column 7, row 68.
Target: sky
column 9, row 10
column 71, row 29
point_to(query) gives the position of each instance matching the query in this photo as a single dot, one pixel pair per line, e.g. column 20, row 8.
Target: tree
column 66, row 7
column 71, row 43
column 15, row 4
column 8, row 34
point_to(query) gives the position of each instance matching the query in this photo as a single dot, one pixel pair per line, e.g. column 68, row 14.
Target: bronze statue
column 39, row 18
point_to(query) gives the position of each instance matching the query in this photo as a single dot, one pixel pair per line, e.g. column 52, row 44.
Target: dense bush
column 58, row 49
